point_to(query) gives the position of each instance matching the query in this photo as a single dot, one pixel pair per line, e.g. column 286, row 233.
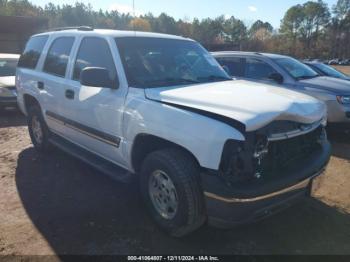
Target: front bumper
column 228, row 206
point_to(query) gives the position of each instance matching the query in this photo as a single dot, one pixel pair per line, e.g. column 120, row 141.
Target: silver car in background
column 290, row 73
column 8, row 94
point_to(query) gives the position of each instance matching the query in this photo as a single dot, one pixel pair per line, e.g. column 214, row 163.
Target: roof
column 10, row 56
column 113, row 33
column 252, row 54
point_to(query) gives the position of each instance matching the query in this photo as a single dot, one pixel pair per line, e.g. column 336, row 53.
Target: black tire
column 43, row 145
column 182, row 169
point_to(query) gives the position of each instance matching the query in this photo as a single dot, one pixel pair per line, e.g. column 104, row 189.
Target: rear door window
column 235, row 65
column 58, row 55
column 257, row 69
column 32, row 52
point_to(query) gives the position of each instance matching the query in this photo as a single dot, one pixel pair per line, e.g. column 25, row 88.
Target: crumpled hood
column 7, row 81
column 335, row 85
column 253, row 104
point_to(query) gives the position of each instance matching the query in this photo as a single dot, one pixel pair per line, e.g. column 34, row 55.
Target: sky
column 271, row 11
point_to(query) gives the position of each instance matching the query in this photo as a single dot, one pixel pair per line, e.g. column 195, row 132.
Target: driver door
column 95, row 114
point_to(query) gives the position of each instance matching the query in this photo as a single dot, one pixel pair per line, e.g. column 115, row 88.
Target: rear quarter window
column 235, row 65
column 32, row 52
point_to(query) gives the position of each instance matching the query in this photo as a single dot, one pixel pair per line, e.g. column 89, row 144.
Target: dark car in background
column 287, row 72
column 8, row 94
column 326, row 70
column 338, row 61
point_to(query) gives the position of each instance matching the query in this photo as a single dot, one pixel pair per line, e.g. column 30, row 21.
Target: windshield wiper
column 307, row 77
column 183, row 80
column 172, row 81
column 214, row 78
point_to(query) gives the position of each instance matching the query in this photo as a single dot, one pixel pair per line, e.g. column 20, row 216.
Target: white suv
column 158, row 108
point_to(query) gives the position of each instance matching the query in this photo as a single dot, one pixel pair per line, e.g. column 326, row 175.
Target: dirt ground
column 344, row 69
column 54, row 204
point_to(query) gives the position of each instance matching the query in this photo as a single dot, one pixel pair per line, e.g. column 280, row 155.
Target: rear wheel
column 170, row 187
column 38, row 130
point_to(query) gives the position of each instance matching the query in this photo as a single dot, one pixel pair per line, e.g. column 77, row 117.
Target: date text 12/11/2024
column 173, row 258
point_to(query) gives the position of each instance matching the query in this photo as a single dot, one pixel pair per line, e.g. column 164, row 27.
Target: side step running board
column 97, row 162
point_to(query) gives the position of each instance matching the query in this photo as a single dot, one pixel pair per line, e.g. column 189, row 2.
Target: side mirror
column 277, row 77
column 97, row 77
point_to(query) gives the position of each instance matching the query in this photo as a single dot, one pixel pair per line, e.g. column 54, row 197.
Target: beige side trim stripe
column 114, row 142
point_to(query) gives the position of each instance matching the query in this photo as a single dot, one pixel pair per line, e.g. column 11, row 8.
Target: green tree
column 306, row 29
column 258, row 26
column 290, row 27
column 166, row 24
column 316, row 17
column 19, row 8
column 235, row 31
column 305, row 23
column 342, row 9
column 184, row 28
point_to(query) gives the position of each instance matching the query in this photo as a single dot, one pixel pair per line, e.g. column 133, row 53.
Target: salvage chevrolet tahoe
column 160, row 109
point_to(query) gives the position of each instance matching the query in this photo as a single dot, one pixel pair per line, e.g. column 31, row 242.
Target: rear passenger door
column 27, row 73
column 95, row 114
column 54, row 69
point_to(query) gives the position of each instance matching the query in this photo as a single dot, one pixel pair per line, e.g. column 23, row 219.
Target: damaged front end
column 269, row 171
column 269, row 152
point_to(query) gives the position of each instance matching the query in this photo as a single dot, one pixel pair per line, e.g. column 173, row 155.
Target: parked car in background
column 160, row 109
column 344, row 62
column 326, row 70
column 288, row 72
column 8, row 94
column 334, row 61
column 317, row 61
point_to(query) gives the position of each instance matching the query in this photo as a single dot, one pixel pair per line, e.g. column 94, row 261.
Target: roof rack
column 79, row 28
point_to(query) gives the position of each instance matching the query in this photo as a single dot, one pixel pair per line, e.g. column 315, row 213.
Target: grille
column 287, row 152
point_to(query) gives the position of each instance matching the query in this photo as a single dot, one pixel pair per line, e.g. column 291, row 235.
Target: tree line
column 309, row 30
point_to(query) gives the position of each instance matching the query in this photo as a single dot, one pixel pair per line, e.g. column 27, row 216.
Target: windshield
column 155, row 62
column 8, row 67
column 296, row 69
column 330, row 71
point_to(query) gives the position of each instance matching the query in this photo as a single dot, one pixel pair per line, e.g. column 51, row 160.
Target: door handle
column 41, row 85
column 69, row 94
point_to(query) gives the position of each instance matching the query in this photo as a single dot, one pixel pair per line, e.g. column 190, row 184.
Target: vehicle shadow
column 12, row 118
column 80, row 211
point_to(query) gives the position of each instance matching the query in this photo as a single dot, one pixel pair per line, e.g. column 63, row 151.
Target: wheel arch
column 30, row 101
column 145, row 143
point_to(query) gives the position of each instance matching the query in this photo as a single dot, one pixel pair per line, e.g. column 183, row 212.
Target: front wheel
column 170, row 187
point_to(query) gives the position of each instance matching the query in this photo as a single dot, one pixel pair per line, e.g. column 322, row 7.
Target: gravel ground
column 54, row 204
